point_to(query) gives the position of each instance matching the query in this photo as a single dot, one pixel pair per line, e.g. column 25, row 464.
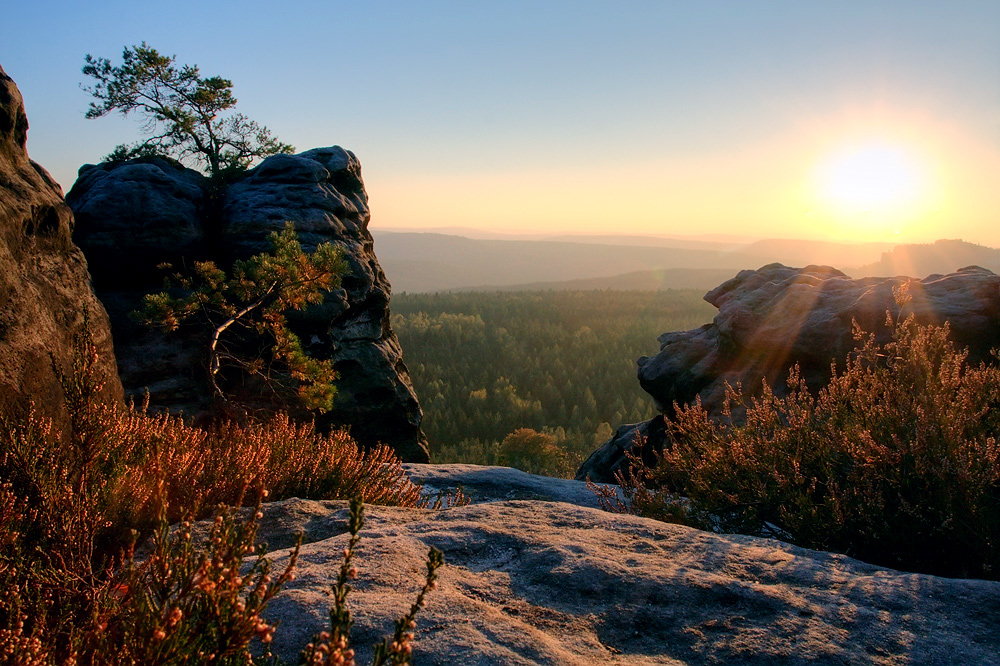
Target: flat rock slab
column 482, row 483
column 536, row 582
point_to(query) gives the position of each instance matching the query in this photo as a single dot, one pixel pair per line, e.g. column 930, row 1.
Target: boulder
column 482, row 483
column 44, row 285
column 544, row 582
column 156, row 210
column 777, row 317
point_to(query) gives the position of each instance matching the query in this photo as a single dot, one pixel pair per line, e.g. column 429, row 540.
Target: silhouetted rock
column 125, row 208
column 776, row 317
column 156, row 203
column 543, row 582
column 44, row 285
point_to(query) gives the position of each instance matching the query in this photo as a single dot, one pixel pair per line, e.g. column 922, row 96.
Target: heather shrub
column 73, row 505
column 202, row 468
column 895, row 461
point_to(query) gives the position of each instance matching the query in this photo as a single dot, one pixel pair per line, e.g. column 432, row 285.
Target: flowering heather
column 895, row 462
column 73, row 505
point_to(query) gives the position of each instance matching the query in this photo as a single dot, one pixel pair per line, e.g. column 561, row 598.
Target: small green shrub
column 895, row 462
column 542, row 452
column 251, row 351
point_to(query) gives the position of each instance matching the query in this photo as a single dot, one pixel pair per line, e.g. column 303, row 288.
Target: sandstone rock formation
column 775, row 317
column 134, row 215
column 541, row 582
column 44, row 285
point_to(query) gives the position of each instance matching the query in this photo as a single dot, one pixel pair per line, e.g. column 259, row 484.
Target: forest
column 486, row 365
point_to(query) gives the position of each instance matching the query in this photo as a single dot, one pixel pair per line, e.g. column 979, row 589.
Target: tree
column 243, row 317
column 181, row 111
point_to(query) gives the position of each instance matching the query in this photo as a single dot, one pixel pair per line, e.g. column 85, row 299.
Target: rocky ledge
column 553, row 582
column 777, row 317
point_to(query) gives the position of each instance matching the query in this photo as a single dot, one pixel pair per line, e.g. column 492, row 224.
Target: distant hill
column 700, row 241
column 428, row 262
column 800, row 253
column 921, row 260
column 423, row 262
column 655, row 280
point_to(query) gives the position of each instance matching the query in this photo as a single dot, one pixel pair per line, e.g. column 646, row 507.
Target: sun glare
column 873, row 189
column 872, row 176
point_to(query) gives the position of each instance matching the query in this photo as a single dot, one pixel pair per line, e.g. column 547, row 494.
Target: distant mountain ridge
column 429, row 262
column 939, row 257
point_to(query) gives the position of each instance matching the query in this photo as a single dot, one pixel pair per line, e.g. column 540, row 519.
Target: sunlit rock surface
column 44, row 285
column 553, row 582
column 776, row 317
column 137, row 214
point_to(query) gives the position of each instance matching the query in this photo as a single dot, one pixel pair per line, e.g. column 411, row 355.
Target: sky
column 848, row 121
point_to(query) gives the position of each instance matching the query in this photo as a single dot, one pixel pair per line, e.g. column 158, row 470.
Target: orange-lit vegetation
column 74, row 504
column 895, row 462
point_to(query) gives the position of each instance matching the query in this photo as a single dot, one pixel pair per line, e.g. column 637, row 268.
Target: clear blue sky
column 644, row 117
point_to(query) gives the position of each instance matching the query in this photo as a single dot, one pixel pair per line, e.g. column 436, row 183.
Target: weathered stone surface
column 539, row 582
column 44, row 285
column 153, row 210
column 776, row 317
column 322, row 192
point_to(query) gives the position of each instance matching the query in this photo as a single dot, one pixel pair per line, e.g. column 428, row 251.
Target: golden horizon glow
column 863, row 176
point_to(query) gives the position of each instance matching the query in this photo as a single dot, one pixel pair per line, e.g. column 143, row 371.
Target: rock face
column 44, row 284
column 155, row 210
column 542, row 582
column 775, row 317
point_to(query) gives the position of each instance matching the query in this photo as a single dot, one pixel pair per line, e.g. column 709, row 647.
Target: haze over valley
column 436, row 261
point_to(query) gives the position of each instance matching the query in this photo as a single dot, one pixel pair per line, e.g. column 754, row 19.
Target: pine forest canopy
column 183, row 114
column 485, row 364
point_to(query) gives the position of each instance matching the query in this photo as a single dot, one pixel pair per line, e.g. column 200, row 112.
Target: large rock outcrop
column 552, row 582
column 776, row 317
column 44, row 285
column 147, row 211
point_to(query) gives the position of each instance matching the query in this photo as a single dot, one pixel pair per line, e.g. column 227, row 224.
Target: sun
column 872, row 188
column 872, row 177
